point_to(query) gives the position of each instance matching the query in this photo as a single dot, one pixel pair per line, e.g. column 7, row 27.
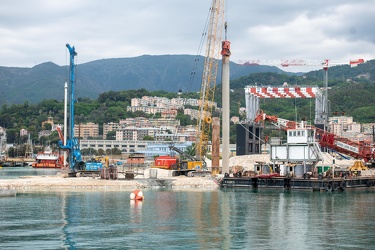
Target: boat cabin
column 301, row 134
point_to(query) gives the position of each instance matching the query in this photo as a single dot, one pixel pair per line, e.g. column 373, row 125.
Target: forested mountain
column 166, row 72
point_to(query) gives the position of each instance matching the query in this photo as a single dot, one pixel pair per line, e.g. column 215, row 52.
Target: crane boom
column 358, row 150
column 210, row 68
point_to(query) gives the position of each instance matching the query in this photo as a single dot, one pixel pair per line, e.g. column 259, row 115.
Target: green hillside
column 166, row 72
column 350, row 91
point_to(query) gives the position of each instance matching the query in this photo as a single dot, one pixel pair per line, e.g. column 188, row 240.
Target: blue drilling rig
column 76, row 164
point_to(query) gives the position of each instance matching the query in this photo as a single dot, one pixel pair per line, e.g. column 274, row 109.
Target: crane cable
column 199, row 53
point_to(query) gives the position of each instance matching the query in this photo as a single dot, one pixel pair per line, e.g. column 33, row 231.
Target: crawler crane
column 210, row 70
column 359, row 150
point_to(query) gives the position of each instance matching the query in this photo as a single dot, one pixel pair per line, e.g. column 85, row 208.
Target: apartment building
column 340, row 125
column 134, row 133
column 86, row 130
column 111, row 126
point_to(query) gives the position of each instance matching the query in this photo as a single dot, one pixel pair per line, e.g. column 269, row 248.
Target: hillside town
column 153, row 136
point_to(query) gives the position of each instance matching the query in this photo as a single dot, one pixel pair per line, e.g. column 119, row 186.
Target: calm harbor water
column 16, row 172
column 189, row 219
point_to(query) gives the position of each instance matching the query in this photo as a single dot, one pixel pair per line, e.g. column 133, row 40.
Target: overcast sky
column 36, row 31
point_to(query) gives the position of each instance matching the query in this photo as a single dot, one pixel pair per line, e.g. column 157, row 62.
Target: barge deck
column 314, row 184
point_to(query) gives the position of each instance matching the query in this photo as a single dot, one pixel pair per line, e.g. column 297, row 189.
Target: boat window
column 303, row 133
column 294, row 133
column 298, row 133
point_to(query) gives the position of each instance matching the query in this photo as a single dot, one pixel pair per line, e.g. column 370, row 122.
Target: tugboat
column 48, row 159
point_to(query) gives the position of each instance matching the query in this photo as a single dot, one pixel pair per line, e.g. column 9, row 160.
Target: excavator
column 185, row 164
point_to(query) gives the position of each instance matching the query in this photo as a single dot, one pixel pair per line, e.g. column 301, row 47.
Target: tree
column 47, row 126
column 148, row 138
column 111, row 135
column 89, row 151
column 190, row 150
column 12, row 135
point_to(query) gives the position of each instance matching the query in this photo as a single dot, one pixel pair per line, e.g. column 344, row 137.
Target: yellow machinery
column 103, row 159
column 358, row 166
column 210, row 68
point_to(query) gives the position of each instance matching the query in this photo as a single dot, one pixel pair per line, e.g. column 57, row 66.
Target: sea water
column 16, row 172
column 188, row 219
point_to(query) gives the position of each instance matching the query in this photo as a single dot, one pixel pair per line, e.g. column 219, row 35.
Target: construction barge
column 314, row 184
column 300, row 163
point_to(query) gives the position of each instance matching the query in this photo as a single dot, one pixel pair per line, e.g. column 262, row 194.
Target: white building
column 340, row 125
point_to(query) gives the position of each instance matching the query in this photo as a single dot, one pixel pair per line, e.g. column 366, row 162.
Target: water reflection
column 136, row 213
column 16, row 172
column 240, row 219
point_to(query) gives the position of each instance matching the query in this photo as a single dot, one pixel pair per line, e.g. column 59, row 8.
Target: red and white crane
column 299, row 62
column 325, row 65
column 359, row 150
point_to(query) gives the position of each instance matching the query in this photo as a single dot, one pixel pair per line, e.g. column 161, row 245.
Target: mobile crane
column 210, row 68
column 214, row 48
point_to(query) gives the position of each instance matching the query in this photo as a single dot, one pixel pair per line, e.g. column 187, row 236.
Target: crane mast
column 72, row 144
column 210, row 68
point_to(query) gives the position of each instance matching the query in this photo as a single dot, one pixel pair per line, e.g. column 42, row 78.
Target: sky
column 36, row 31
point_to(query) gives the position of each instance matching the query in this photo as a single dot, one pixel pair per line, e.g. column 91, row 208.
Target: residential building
column 172, row 113
column 86, row 130
column 23, row 132
column 193, row 113
column 44, row 133
column 145, row 109
column 368, row 128
column 111, row 126
column 340, row 125
column 135, row 133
